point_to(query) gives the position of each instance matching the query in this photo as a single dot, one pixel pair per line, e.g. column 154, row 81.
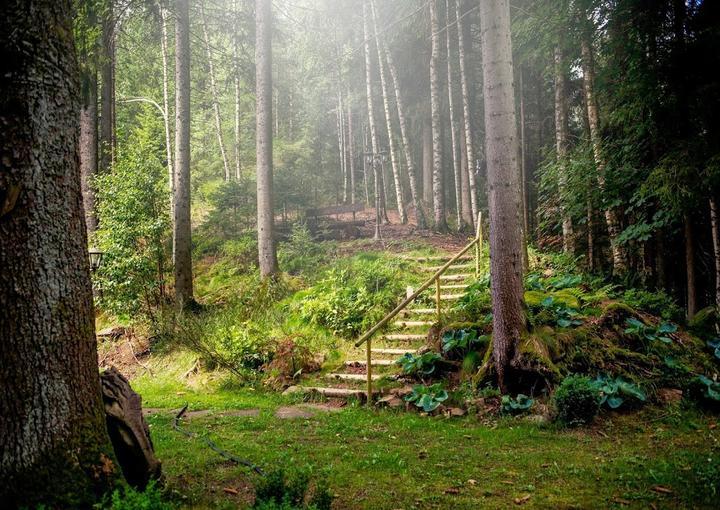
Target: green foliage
column 657, row 303
column 423, row 364
column 615, row 390
column 650, row 333
column 577, row 400
column 132, row 207
column 460, row 341
column 714, row 346
column 475, row 302
column 516, row 405
column 705, row 323
column 427, row 398
column 552, row 309
column 130, row 499
column 277, row 491
column 353, row 296
column 301, row 253
column 708, row 388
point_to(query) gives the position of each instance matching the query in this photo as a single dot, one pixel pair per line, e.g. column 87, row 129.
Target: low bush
column 577, row 400
column 419, row 365
column 517, row 405
column 614, row 391
column 130, row 499
column 657, row 303
column 301, row 253
column 427, row 398
column 278, row 491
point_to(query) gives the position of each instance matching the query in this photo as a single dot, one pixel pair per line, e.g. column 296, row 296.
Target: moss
column 704, row 322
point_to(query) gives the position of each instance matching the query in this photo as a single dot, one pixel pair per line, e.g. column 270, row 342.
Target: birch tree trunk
column 182, row 236
column 351, row 149
column 506, row 264
column 388, row 120
column 236, row 79
column 437, row 183
column 263, row 90
column 370, row 106
column 427, row 161
column 166, row 106
column 470, row 153
column 341, row 143
column 454, row 140
column 214, row 93
column 54, row 445
column 366, row 180
column 716, row 245
column 561, row 147
column 407, row 148
column 611, row 219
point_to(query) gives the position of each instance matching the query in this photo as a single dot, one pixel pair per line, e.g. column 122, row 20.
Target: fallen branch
column 213, row 446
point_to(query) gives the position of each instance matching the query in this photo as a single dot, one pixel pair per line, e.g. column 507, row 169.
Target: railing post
column 368, row 370
column 478, row 245
column 437, row 298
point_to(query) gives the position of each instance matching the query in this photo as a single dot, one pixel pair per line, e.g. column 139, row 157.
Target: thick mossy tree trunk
column 506, row 243
column 54, row 447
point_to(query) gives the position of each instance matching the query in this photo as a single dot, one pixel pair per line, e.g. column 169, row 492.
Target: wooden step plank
column 399, row 352
column 436, row 258
column 412, row 324
column 404, row 337
column 328, row 392
column 374, row 362
column 355, row 377
column 419, row 311
column 458, row 286
column 432, row 269
column 455, row 277
column 450, row 297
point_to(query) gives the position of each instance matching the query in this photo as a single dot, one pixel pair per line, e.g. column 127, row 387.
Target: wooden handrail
column 399, row 308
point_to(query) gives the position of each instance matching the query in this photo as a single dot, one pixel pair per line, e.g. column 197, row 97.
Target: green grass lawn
column 382, row 459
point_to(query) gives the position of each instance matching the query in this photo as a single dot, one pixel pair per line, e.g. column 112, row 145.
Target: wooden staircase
column 405, row 329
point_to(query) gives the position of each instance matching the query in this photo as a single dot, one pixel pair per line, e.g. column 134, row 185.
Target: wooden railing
column 366, row 339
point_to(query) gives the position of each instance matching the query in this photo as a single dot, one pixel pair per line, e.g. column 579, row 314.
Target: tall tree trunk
column 561, row 147
column 54, row 445
column 437, row 183
column 166, row 106
column 454, row 139
column 690, row 266
column 89, row 144
column 465, row 181
column 370, row 105
column 107, row 90
column 523, row 194
column 407, row 148
column 590, row 235
column 660, row 264
column 341, row 143
column 714, row 225
column 182, row 236
column 469, row 146
column 400, row 200
column 366, row 180
column 427, row 161
column 351, row 149
column 504, row 189
column 611, row 219
column 263, row 91
column 236, row 80
column 214, row 93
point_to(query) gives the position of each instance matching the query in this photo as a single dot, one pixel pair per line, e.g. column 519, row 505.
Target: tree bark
column 263, row 91
column 341, row 144
column 89, row 144
column 166, row 105
column 437, row 182
column 400, row 200
column 611, row 219
column 454, row 139
column 351, row 149
column 506, row 265
column 236, row 79
column 214, row 94
column 465, row 181
column 107, row 90
column 54, row 447
column 427, row 162
column 561, row 147
column 690, row 266
column 467, row 124
column 182, row 235
column 716, row 245
column 366, row 180
column 370, row 106
column 523, row 190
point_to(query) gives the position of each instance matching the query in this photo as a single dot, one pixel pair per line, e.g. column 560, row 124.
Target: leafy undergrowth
column 669, row 458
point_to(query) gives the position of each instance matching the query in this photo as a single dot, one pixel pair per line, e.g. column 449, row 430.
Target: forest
column 359, row 254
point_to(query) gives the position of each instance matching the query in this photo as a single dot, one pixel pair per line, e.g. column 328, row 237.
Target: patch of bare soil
column 127, row 352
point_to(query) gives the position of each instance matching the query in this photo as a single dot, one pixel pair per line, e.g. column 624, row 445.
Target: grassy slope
column 386, row 459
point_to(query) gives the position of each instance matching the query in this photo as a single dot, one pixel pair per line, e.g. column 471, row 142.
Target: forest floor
column 385, row 459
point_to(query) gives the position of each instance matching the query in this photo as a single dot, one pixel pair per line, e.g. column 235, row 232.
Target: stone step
column 412, row 324
column 455, row 277
column 329, row 392
column 373, row 362
column 398, row 352
column 356, row 377
column 404, row 338
column 432, row 269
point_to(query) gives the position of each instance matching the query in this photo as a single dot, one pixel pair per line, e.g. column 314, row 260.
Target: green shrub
column 130, row 499
column 301, row 253
column 650, row 333
column 577, row 400
column 614, row 391
column 517, row 405
column 427, row 398
column 421, row 364
column 277, row 491
column 476, row 300
column 657, row 303
column 353, row 297
column 242, row 251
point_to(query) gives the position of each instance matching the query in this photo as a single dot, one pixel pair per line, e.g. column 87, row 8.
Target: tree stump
column 128, row 430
